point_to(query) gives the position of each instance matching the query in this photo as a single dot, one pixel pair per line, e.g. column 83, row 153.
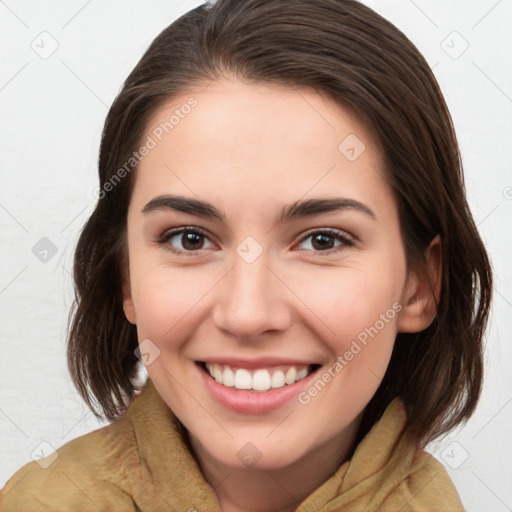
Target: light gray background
column 52, row 112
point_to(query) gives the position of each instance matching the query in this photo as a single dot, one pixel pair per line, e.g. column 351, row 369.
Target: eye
column 190, row 239
column 324, row 240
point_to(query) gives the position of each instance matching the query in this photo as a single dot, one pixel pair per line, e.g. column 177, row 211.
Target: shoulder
column 90, row 472
column 427, row 487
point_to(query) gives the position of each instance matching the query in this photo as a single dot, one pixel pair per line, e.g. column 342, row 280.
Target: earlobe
column 422, row 292
column 128, row 308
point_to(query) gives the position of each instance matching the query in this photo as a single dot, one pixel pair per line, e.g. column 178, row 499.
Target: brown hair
column 346, row 51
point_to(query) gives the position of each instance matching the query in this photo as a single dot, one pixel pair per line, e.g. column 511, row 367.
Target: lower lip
column 253, row 402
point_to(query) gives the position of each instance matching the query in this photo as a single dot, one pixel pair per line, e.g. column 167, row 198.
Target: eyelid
column 331, row 231
column 346, row 239
column 170, row 233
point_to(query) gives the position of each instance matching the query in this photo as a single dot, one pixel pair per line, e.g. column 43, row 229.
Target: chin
column 255, row 455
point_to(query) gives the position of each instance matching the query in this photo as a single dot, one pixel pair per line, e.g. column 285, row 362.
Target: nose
column 251, row 300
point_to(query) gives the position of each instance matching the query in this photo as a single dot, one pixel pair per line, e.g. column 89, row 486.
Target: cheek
column 355, row 305
column 164, row 300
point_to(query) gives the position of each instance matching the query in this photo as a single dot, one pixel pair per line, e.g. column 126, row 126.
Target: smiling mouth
column 257, row 379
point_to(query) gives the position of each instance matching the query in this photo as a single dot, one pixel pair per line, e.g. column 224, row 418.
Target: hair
column 347, row 52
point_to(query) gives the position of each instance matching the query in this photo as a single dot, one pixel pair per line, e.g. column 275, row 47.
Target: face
column 264, row 247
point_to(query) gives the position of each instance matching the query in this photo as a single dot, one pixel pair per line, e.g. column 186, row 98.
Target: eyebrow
column 297, row 210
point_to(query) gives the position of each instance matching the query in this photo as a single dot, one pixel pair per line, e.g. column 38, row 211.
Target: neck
column 275, row 490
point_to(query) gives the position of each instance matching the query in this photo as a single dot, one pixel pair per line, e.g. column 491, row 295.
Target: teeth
column 243, row 379
column 302, row 373
column 217, row 374
column 228, row 377
column 260, row 380
column 290, row 376
column 278, row 379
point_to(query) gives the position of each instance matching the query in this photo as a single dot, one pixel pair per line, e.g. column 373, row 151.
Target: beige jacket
column 125, row 466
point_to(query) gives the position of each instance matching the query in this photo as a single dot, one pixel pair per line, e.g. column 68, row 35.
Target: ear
column 419, row 307
column 128, row 308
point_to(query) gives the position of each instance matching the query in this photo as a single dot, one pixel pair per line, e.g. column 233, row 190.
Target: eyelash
column 345, row 238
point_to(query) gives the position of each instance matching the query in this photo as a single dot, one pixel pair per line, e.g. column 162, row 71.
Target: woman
column 282, row 238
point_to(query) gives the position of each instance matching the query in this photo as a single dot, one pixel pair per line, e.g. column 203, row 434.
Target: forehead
column 229, row 136
column 226, row 107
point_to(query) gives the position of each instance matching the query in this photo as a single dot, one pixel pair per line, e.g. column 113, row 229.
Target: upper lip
column 260, row 362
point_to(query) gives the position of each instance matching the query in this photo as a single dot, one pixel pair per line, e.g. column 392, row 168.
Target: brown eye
column 325, row 240
column 185, row 240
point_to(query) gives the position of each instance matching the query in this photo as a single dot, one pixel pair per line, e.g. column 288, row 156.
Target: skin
column 249, row 149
